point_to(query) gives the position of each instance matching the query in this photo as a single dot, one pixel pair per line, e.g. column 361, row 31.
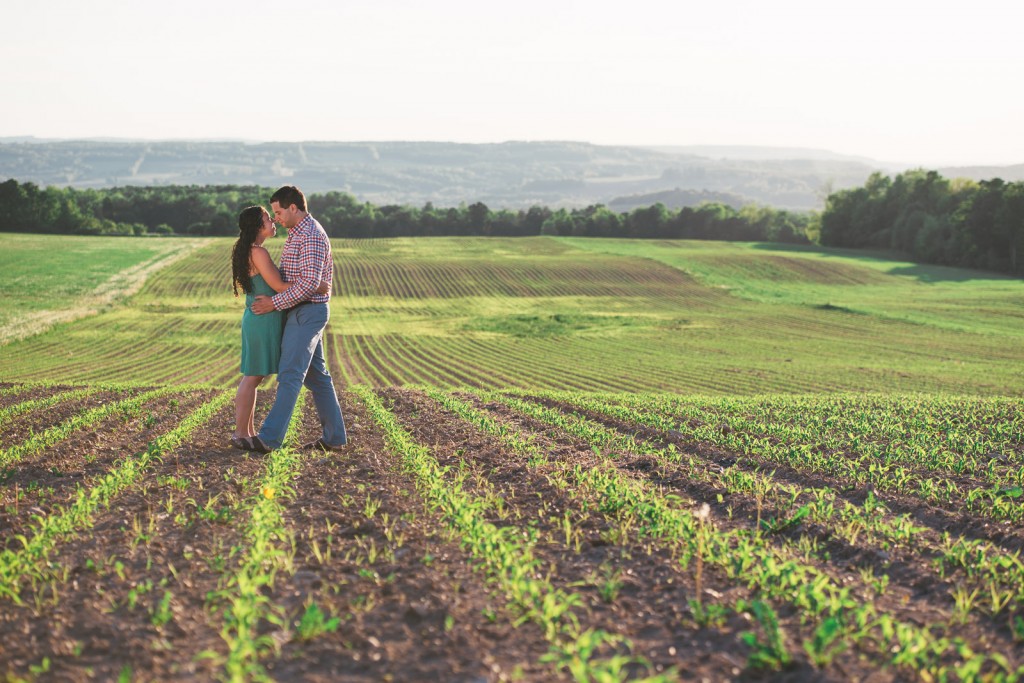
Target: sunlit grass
column 857, row 281
column 687, row 317
column 52, row 279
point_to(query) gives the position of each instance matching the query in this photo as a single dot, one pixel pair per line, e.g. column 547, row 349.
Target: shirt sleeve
column 311, row 260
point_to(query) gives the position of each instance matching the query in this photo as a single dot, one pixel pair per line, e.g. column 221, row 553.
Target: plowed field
column 496, row 536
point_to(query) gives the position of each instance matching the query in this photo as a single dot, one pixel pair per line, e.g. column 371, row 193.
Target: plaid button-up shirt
column 305, row 261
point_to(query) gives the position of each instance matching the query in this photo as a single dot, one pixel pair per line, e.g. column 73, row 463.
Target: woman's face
column 268, row 230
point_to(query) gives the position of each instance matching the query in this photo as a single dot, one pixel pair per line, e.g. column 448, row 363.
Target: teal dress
column 261, row 334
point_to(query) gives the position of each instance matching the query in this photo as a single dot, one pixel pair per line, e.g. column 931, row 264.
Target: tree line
column 213, row 210
column 918, row 213
column 931, row 219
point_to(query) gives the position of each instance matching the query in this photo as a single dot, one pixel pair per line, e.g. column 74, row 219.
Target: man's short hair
column 288, row 195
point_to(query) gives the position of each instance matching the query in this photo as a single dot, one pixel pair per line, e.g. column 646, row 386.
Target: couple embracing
column 286, row 312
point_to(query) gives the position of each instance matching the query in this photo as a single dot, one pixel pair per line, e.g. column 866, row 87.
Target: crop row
column 466, row 361
column 997, row 572
column 751, row 556
column 131, row 346
column 31, row 405
column 206, row 273
column 361, row 275
column 555, row 498
column 908, row 464
column 361, row 272
column 509, row 561
column 968, row 426
column 267, row 548
column 38, row 442
column 29, row 564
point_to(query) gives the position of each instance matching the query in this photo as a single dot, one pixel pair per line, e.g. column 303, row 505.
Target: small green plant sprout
column 580, row 655
column 770, row 652
column 608, row 581
column 1017, row 628
column 40, row 668
column 963, row 602
column 162, row 613
column 702, row 517
column 827, row 642
column 775, row 526
column 315, row 622
column 371, row 507
column 711, row 615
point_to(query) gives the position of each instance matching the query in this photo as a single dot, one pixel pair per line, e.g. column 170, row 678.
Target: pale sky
column 924, row 82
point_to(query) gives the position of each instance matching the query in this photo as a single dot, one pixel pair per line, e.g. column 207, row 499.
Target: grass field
column 569, row 460
column 51, row 279
column 860, row 282
column 600, row 315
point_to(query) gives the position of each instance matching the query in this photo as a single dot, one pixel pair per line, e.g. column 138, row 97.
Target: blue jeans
column 302, row 362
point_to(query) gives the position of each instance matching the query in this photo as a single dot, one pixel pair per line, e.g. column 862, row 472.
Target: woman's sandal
column 242, row 443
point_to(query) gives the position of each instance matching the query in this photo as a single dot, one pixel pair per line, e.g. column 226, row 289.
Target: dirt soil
column 142, row 592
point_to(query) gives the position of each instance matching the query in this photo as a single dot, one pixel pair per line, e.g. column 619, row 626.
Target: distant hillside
column 1008, row 173
column 675, row 199
column 755, row 153
column 504, row 175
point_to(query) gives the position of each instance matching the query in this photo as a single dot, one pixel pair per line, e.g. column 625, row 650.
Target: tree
column 363, row 224
column 651, row 221
column 604, row 222
column 559, row 223
column 1012, row 221
column 477, row 218
column 534, row 219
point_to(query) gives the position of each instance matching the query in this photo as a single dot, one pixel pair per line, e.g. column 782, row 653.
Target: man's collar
column 306, row 221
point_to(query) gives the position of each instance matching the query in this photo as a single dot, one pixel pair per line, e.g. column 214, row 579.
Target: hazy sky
column 929, row 82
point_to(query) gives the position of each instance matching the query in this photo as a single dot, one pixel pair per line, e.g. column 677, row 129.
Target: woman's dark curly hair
column 250, row 222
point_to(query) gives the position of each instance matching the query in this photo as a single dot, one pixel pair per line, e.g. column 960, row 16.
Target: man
column 305, row 261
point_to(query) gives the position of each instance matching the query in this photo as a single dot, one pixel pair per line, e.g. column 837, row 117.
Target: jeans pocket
column 312, row 316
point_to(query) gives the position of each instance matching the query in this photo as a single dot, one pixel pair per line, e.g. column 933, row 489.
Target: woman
column 254, row 272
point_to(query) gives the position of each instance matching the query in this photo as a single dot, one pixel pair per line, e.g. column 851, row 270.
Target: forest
column 931, row 219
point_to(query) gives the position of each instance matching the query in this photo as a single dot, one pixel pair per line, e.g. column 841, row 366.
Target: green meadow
column 865, row 282
column 50, row 278
column 684, row 317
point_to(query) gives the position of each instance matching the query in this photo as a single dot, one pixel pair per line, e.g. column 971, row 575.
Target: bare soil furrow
column 22, row 427
column 939, row 520
column 650, row 605
column 49, row 480
column 13, row 394
column 917, row 595
column 105, row 612
column 411, row 607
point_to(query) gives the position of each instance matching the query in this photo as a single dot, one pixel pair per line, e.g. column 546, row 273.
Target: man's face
column 288, row 217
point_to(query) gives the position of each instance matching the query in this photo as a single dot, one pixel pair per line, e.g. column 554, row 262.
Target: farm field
column 533, row 536
column 861, row 282
column 546, row 313
column 569, row 460
column 50, row 279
